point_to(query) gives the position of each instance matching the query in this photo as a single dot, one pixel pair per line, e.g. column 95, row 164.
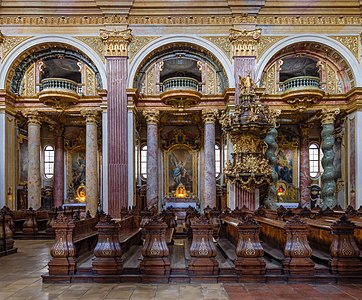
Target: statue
column 247, row 85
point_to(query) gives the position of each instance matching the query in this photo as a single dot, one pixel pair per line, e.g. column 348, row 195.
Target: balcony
column 180, row 83
column 59, row 92
column 301, row 92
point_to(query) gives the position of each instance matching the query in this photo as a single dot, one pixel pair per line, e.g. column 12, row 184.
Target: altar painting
column 23, row 159
column 180, row 169
column 76, row 171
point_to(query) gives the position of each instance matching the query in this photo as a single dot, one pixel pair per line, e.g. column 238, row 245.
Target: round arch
column 345, row 53
column 18, row 50
column 219, row 54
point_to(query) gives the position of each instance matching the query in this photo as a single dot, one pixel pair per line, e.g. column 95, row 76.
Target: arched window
column 314, row 160
column 48, row 162
column 217, row 160
column 144, row 161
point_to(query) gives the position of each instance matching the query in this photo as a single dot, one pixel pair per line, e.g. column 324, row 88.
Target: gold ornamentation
column 265, row 42
column 155, row 248
column 10, row 42
column 221, row 42
column 210, row 81
column 30, row 81
column 91, row 115
column 203, row 248
column 247, row 85
column 137, row 43
column 116, row 41
column 151, row 116
column 346, row 249
column 33, row 117
column 245, row 41
column 1, row 37
column 298, row 248
column 95, row 43
column 353, row 43
column 59, row 248
column 57, row 130
column 302, row 103
column 90, row 82
column 209, row 116
column 332, row 80
column 328, row 115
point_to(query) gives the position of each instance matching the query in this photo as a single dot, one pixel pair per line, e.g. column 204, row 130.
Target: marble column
column 245, row 48
column 304, row 181
column 209, row 117
column 270, row 140
column 152, row 117
column 34, row 175
column 91, row 166
column 58, row 178
column 328, row 184
column 116, row 43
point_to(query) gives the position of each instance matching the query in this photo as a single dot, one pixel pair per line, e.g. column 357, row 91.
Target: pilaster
column 58, row 178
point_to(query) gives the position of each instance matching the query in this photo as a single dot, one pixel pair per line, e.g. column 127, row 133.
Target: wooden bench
column 129, row 231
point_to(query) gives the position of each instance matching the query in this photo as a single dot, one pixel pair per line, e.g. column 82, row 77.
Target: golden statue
column 181, row 191
column 81, row 193
column 247, row 85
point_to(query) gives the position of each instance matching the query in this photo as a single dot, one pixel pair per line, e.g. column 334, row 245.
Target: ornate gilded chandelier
column 247, row 126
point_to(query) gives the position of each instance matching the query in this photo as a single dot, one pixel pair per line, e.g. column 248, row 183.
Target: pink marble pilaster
column 244, row 197
column 116, row 67
column 209, row 117
column 242, row 66
column 91, row 173
column 34, row 175
column 58, row 179
column 304, row 181
column 152, row 117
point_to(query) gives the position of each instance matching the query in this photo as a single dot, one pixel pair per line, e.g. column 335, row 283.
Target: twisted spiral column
column 270, row 140
column 328, row 183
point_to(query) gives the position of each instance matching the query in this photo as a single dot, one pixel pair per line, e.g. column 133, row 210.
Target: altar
column 176, row 202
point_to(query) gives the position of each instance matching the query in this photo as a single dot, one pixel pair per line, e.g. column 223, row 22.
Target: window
column 314, row 160
column 217, row 160
column 144, row 161
column 48, row 162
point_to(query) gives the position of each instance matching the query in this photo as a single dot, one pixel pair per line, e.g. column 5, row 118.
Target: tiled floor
column 20, row 279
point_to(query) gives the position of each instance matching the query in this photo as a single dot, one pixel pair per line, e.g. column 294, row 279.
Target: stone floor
column 20, row 279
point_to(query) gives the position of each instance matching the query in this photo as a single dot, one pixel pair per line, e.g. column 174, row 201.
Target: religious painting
column 180, row 169
column 23, row 159
column 284, row 167
column 76, row 172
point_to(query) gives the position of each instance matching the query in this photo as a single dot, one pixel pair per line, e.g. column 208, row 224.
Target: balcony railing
column 180, row 83
column 60, row 84
column 301, row 82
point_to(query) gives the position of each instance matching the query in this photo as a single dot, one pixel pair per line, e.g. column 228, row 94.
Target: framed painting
column 76, row 171
column 180, row 168
column 23, row 159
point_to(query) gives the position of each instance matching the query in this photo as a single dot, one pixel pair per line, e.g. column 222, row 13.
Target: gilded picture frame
column 180, row 166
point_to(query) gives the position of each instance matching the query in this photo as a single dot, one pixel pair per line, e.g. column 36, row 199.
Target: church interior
column 208, row 145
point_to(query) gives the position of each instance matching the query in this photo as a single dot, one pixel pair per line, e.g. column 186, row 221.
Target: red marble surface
column 304, row 181
column 58, row 180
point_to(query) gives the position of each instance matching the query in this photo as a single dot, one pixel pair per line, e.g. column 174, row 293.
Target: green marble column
column 328, row 183
column 273, row 160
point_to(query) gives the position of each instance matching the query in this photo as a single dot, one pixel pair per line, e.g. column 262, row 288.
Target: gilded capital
column 328, row 115
column 151, row 116
column 91, row 115
column 209, row 116
column 245, row 42
column 305, row 129
column 116, row 41
column 33, row 117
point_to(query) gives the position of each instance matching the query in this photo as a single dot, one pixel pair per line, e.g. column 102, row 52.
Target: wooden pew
column 6, row 234
column 128, row 231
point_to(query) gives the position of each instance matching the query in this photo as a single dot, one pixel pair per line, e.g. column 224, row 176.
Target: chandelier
column 247, row 126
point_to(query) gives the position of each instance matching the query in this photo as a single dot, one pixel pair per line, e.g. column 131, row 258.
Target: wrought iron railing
column 60, row 84
column 180, row 83
column 300, row 83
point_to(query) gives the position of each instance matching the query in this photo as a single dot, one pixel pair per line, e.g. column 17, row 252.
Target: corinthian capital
column 328, row 115
column 116, row 41
column 209, row 115
column 91, row 115
column 151, row 116
column 33, row 117
column 245, row 42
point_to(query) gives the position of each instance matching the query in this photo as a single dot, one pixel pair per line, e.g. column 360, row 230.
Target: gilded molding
column 221, row 42
column 116, row 41
column 1, row 37
column 328, row 115
column 352, row 42
column 182, row 20
column 137, row 43
column 265, row 42
column 10, row 42
column 33, row 117
column 209, row 116
column 95, row 43
column 245, row 42
column 152, row 116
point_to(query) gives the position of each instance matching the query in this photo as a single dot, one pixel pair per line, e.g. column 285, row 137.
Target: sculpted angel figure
column 247, row 85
